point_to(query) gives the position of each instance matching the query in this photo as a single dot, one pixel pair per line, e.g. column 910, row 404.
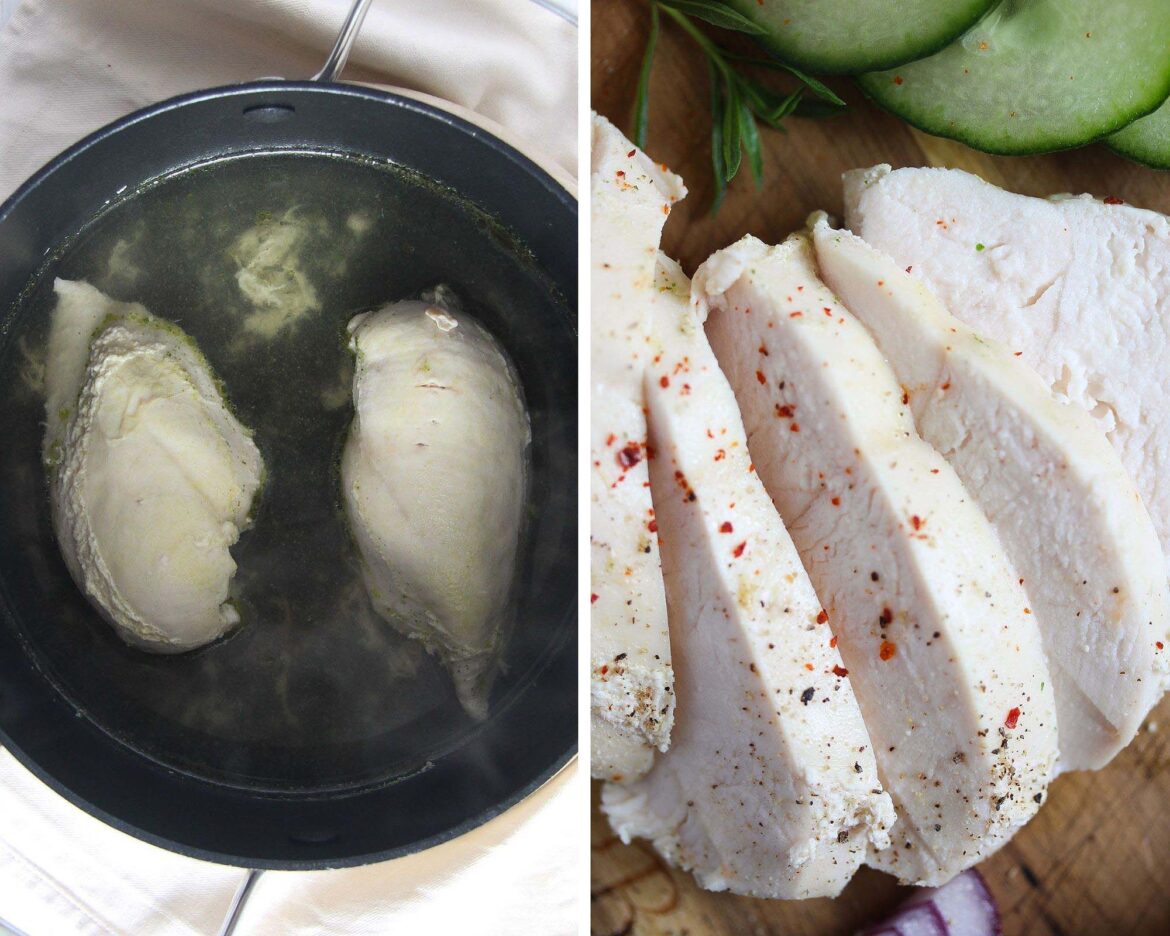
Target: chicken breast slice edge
column 1047, row 478
column 770, row 786
column 1076, row 285
column 631, row 681
column 948, row 669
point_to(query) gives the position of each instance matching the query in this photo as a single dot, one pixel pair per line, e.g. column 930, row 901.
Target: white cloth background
column 68, row 67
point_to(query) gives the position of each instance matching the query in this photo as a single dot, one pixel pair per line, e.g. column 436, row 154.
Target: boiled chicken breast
column 932, row 623
column 1048, row 479
column 151, row 477
column 433, row 476
column 770, row 786
column 1075, row 285
column 632, row 683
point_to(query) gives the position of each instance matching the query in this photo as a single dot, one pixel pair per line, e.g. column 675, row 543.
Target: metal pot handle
column 345, row 40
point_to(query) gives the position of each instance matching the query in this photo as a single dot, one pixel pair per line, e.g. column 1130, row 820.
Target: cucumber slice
column 1146, row 140
column 1037, row 75
column 844, row 37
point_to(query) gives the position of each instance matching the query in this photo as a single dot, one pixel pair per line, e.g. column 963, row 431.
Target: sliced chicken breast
column 931, row 620
column 1048, row 479
column 632, row 682
column 1075, row 285
column 770, row 786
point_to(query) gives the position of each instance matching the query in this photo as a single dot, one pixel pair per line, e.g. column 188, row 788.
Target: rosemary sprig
column 738, row 101
column 642, row 97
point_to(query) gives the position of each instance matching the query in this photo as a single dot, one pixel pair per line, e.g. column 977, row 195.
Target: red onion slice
column 966, row 904
column 919, row 919
column 962, row 907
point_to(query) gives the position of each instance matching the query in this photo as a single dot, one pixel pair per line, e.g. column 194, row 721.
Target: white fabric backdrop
column 70, row 66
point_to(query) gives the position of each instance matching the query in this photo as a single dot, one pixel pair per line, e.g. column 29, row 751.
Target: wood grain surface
column 1096, row 860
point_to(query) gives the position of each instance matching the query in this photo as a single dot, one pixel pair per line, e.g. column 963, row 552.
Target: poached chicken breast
column 631, row 681
column 151, row 477
column 433, row 476
column 1048, row 479
column 769, row 787
column 932, row 623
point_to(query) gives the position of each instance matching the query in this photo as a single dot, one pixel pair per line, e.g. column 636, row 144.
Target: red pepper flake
column 887, row 650
column 760, row 377
column 726, row 527
column 916, row 522
column 630, row 154
column 784, row 412
column 629, row 456
column 738, row 551
column 810, row 668
column 752, row 467
column 686, row 388
column 610, row 439
column 652, row 526
column 621, row 173
column 833, row 641
column 1012, row 718
column 840, row 671
column 946, row 386
column 720, row 455
column 604, row 670
column 905, row 397
column 897, row 79
column 1027, row 610
column 885, row 617
column 1113, row 200
column 664, row 381
column 822, row 616
column 763, row 351
column 593, row 598
column 1158, row 644
column 795, row 427
column 909, row 268
column 836, row 501
column 828, row 311
column 795, row 314
column 1018, row 353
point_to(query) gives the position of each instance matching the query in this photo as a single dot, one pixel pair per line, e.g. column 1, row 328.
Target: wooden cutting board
column 1097, row 857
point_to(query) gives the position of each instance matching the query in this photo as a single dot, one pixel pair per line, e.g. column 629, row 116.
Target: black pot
column 322, row 799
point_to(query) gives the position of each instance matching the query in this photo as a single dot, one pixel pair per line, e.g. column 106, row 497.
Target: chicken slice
column 151, row 477
column 433, row 475
column 1051, row 484
column 632, row 682
column 946, row 662
column 1075, row 285
column 770, row 786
